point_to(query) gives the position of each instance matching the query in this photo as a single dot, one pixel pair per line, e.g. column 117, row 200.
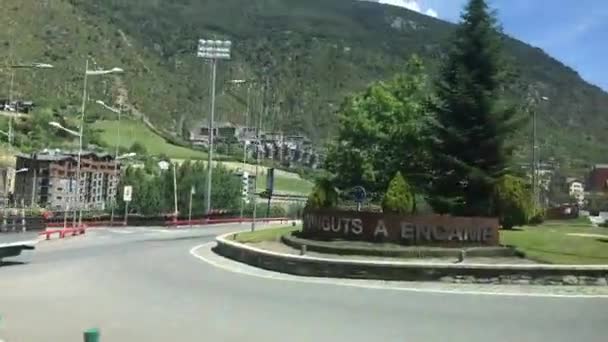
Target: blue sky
column 574, row 32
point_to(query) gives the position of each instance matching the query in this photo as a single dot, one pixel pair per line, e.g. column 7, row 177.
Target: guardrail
column 62, row 233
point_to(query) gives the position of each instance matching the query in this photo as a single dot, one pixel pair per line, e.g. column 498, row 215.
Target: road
column 139, row 284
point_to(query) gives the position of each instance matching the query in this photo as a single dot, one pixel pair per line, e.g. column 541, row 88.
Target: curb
column 397, row 251
column 523, row 274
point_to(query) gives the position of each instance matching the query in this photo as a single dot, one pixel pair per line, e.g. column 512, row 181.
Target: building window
column 59, row 198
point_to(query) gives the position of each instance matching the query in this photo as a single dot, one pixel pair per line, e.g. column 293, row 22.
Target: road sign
column 270, row 181
column 360, row 196
column 245, row 185
column 127, row 193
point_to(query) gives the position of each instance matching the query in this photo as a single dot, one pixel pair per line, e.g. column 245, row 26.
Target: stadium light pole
column 212, row 50
column 10, row 91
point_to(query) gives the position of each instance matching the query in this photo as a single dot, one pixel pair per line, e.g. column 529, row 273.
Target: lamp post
column 245, row 142
column 212, row 50
column 534, row 102
column 87, row 73
column 10, row 91
column 118, row 112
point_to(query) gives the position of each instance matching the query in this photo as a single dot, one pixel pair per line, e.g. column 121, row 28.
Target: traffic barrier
column 62, row 233
column 178, row 223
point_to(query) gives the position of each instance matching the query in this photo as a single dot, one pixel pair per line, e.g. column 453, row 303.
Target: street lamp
column 10, row 92
column 212, row 50
column 246, row 142
column 59, row 126
column 116, row 157
column 87, row 72
column 534, row 102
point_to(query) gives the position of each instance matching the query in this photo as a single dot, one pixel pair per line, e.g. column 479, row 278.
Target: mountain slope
column 307, row 54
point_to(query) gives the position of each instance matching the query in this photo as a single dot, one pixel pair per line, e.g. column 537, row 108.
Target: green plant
column 512, row 202
column 323, row 195
column 472, row 134
column 399, row 197
column 138, row 148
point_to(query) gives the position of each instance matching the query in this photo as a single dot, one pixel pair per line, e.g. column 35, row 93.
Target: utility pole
column 175, row 189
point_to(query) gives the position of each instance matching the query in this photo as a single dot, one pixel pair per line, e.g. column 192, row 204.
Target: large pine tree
column 473, row 126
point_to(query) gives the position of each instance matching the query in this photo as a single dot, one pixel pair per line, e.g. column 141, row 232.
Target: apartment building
column 49, row 180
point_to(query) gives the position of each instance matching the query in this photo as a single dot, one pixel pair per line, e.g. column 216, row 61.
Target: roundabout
column 153, row 284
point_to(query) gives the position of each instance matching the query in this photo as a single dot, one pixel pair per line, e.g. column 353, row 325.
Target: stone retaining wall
column 392, row 270
column 397, row 251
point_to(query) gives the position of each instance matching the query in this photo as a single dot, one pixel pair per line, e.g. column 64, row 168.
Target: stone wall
column 392, row 270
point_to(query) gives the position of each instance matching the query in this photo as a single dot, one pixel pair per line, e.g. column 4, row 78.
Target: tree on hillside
column 399, row 198
column 381, row 133
column 472, row 128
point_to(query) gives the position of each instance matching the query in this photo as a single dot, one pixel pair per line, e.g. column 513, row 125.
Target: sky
column 574, row 32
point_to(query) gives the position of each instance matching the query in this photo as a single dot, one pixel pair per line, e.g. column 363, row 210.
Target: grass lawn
column 265, row 234
column 135, row 131
column 286, row 184
column 561, row 242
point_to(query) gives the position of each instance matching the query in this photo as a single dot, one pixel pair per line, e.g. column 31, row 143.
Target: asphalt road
column 143, row 285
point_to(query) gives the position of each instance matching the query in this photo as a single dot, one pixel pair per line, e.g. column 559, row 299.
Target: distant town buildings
column 597, row 180
column 49, row 180
column 16, row 106
column 288, row 150
column 576, row 190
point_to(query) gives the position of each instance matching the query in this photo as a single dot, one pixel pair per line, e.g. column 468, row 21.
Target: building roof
column 56, row 155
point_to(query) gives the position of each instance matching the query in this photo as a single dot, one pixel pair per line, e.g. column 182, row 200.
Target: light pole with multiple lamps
column 212, row 50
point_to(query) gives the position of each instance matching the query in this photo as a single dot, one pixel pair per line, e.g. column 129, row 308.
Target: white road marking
column 121, row 231
column 601, row 236
column 461, row 288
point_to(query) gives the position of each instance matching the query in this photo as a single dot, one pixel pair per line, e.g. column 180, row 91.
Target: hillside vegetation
column 306, row 55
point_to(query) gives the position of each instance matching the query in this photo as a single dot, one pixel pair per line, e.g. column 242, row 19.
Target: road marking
column 461, row 288
column 121, row 231
column 601, row 236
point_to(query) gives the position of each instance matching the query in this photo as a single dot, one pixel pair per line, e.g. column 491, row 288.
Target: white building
column 577, row 190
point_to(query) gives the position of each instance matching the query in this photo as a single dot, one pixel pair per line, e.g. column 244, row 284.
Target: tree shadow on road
column 5, row 263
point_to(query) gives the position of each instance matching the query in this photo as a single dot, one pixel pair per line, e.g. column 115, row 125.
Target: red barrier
column 178, row 223
column 64, row 232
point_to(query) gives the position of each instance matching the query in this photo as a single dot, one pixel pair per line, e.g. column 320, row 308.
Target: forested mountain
column 308, row 55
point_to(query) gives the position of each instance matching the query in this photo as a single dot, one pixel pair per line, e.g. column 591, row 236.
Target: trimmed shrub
column 399, row 198
column 513, row 202
column 323, row 195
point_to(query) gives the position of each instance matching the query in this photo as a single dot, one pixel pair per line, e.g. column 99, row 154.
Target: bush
column 513, row 202
column 538, row 217
column 399, row 198
column 138, row 148
column 323, row 195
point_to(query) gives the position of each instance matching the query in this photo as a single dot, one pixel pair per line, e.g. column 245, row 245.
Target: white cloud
column 413, row 5
column 431, row 13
